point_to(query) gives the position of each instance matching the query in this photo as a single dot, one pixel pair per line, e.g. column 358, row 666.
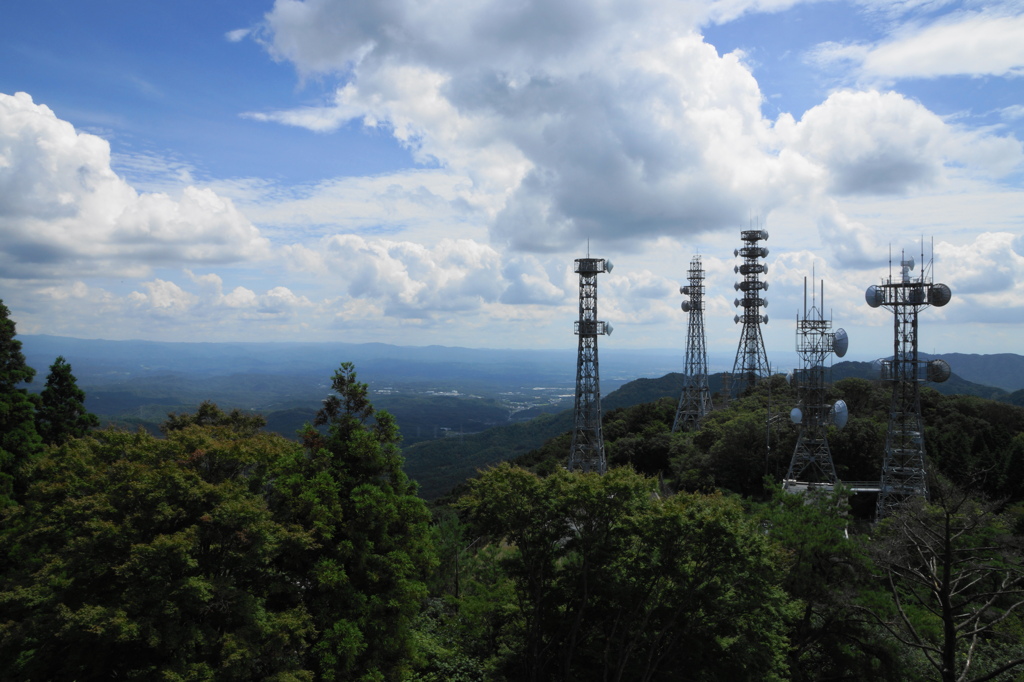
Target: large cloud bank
column 612, row 120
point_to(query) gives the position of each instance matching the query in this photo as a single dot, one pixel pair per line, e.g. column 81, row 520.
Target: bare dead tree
column 953, row 562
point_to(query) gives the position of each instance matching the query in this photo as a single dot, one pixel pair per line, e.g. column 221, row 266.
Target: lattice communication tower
column 812, row 464
column 751, row 359
column 903, row 470
column 587, row 451
column 695, row 401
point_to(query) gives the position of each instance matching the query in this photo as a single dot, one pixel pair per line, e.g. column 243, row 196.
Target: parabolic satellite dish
column 839, row 414
column 796, row 416
column 939, row 295
column 840, row 342
column 938, row 371
column 874, row 296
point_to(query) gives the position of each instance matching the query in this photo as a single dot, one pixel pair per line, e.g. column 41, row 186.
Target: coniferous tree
column 19, row 442
column 60, row 411
column 366, row 569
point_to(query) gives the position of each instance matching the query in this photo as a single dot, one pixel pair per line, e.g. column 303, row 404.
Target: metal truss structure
column 904, row 473
column 751, row 362
column 695, row 400
column 587, row 450
column 812, row 464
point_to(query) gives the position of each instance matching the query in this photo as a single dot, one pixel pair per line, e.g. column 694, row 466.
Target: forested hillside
column 217, row 550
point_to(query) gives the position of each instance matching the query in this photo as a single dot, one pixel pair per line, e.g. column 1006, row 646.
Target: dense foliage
column 218, row 552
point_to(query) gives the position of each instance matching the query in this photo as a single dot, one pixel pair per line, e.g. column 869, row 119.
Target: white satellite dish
column 796, row 415
column 839, row 414
column 840, row 342
column 608, row 265
column 608, row 328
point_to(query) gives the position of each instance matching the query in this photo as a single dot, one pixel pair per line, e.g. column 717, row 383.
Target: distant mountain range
column 458, row 408
column 98, row 362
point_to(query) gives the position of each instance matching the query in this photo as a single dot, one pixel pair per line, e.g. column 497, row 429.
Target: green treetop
column 60, row 411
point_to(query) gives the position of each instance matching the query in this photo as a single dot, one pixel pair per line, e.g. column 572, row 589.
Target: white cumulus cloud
column 63, row 210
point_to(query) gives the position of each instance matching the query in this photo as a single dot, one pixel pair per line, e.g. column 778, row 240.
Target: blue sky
column 426, row 172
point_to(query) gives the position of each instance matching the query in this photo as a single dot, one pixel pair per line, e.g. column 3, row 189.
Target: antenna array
column 695, row 401
column 812, row 458
column 751, row 359
column 903, row 470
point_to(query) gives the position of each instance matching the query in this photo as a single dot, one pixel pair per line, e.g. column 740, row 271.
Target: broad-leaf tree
column 19, row 442
column 615, row 582
column 134, row 557
column 60, row 408
column 219, row 552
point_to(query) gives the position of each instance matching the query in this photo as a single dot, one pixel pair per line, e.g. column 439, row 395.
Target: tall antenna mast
column 695, row 401
column 903, row 469
column 751, row 359
column 812, row 465
column 587, row 450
